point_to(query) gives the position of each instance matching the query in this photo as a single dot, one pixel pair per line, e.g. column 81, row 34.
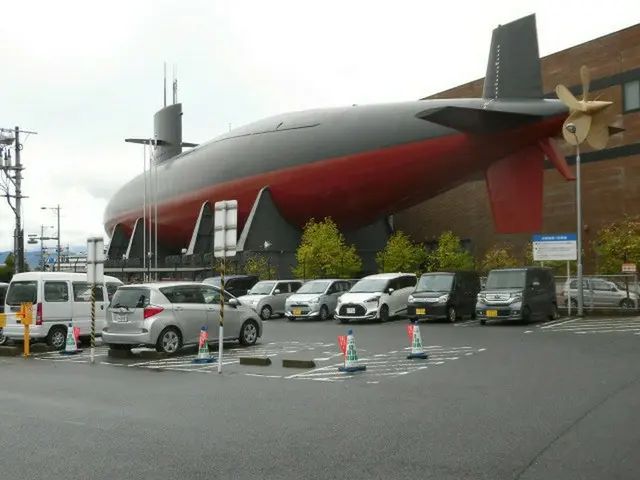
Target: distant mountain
column 32, row 256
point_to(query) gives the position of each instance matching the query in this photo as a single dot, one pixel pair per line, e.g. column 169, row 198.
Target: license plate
column 297, row 312
column 421, row 311
column 351, row 310
column 492, row 313
column 120, row 318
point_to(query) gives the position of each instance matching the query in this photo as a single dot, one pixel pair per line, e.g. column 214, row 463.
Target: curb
column 10, row 351
column 288, row 363
column 151, row 355
column 120, row 354
column 259, row 361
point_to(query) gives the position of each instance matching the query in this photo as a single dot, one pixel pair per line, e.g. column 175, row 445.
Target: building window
column 631, row 96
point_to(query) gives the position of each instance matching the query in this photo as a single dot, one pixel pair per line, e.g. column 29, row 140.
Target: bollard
column 26, row 318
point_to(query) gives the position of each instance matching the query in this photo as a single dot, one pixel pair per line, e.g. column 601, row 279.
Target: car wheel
column 266, row 312
column 324, row 313
column 483, row 322
column 169, row 341
column 526, row 315
column 292, row 319
column 554, row 315
column 57, row 337
column 249, row 333
column 626, row 303
column 3, row 340
column 384, row 313
column 452, row 315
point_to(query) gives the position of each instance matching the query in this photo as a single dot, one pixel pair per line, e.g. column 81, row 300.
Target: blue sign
column 52, row 260
column 566, row 237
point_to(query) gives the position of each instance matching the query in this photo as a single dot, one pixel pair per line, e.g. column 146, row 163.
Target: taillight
column 150, row 311
column 39, row 314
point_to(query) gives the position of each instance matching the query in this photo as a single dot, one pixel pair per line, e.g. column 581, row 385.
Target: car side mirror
column 390, row 290
column 614, row 289
column 234, row 302
column 276, row 292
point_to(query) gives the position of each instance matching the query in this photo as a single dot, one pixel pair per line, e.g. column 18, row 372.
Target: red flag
column 342, row 340
column 410, row 332
column 76, row 333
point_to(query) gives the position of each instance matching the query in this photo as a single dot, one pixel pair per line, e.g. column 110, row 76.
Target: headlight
column 411, row 298
column 443, row 298
column 314, row 300
column 516, row 297
column 372, row 300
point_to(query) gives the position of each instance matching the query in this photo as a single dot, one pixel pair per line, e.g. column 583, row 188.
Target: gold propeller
column 590, row 118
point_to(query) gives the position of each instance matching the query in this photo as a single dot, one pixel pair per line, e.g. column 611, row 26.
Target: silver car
column 601, row 293
column 316, row 299
column 268, row 296
column 169, row 315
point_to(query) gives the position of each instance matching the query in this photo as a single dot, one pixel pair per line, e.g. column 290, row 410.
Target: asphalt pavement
column 494, row 402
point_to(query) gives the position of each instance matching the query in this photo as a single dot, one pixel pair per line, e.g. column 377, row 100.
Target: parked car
column 376, row 297
column 316, row 299
column 236, row 285
column 268, row 297
column 169, row 315
column 522, row 294
column 600, row 293
column 448, row 295
column 58, row 298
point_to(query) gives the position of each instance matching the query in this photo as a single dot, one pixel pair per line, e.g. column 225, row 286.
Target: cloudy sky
column 85, row 75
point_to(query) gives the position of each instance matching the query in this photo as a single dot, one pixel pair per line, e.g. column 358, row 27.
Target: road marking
column 561, row 323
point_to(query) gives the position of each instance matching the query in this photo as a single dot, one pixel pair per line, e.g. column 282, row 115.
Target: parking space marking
column 389, row 365
column 583, row 326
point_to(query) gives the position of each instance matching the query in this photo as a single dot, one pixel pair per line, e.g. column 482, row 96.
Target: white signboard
column 629, row 268
column 549, row 248
column 225, row 236
column 95, row 260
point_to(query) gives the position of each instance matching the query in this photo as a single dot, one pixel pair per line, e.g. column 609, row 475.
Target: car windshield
column 434, row 283
column 505, row 279
column 262, row 288
column 369, row 285
column 130, row 298
column 314, row 287
column 21, row 292
column 215, row 281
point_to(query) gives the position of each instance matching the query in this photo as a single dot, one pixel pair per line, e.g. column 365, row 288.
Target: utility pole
column 12, row 174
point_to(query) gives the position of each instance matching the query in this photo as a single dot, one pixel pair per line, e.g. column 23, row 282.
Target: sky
column 87, row 75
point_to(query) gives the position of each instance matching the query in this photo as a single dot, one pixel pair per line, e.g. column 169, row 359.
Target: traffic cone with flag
column 348, row 346
column 71, row 345
column 203, row 349
column 417, row 350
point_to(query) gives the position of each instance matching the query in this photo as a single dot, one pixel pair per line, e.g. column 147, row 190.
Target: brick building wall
column 610, row 178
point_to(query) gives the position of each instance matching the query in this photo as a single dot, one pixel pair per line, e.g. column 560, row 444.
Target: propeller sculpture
column 590, row 118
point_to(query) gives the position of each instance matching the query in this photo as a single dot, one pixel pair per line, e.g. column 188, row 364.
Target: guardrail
column 25, row 316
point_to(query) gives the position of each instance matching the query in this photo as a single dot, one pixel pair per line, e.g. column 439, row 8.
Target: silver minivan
column 268, row 297
column 169, row 315
column 316, row 299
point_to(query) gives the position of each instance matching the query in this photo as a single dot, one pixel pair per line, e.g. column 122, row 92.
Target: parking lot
column 491, row 402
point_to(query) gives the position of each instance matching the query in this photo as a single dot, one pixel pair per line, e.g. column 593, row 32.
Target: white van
column 58, row 298
column 377, row 297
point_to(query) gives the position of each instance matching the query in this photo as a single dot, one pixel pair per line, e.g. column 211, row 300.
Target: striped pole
column 93, row 321
column 221, row 331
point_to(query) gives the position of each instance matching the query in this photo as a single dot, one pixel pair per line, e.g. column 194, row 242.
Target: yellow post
column 3, row 320
column 26, row 318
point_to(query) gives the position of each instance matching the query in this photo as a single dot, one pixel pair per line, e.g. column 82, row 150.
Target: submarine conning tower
column 167, row 130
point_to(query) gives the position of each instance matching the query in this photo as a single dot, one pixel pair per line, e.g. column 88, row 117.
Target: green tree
column 499, row 256
column 401, row 255
column 324, row 253
column 261, row 266
column 450, row 255
column 6, row 271
column 618, row 243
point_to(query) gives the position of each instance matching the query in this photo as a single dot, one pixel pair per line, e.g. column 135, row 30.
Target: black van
column 522, row 294
column 236, row 285
column 448, row 295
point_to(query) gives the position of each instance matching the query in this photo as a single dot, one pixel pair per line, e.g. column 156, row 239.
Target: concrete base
column 10, row 351
column 358, row 369
column 120, row 354
column 152, row 355
column 420, row 356
column 203, row 360
column 290, row 363
column 258, row 361
column 64, row 352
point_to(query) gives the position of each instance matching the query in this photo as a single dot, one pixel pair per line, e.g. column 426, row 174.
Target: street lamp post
column 571, row 128
column 57, row 210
